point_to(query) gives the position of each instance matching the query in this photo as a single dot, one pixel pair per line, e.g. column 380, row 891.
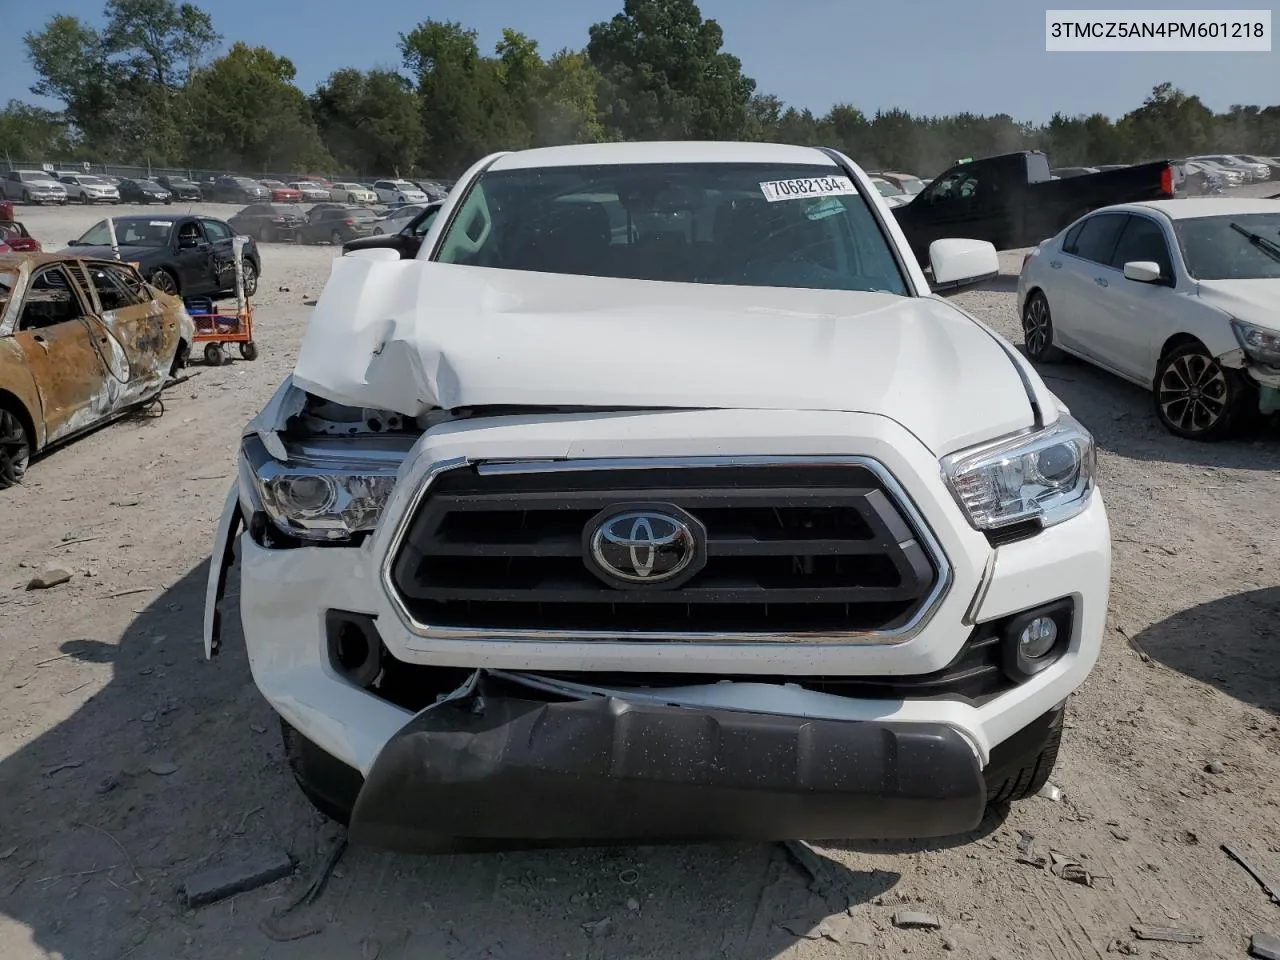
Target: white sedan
column 352, row 193
column 1179, row 296
column 397, row 193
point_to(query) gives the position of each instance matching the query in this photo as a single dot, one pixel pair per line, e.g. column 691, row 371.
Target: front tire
column 330, row 785
column 164, row 281
column 1196, row 397
column 1021, row 765
column 1037, row 330
column 15, row 448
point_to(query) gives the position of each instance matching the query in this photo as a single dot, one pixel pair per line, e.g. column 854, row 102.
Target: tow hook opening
column 355, row 646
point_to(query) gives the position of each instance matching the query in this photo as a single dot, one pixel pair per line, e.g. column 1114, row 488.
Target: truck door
column 948, row 207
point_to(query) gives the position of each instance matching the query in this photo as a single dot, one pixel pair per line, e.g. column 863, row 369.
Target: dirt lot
column 128, row 762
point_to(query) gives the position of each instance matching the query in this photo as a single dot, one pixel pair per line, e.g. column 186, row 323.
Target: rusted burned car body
column 82, row 341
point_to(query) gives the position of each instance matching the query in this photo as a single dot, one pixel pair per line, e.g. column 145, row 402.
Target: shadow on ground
column 1122, row 418
column 1229, row 644
column 176, row 765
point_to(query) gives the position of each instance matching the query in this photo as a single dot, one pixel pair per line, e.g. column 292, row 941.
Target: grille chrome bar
column 903, row 509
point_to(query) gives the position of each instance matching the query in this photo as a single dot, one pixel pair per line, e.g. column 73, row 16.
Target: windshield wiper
column 1269, row 247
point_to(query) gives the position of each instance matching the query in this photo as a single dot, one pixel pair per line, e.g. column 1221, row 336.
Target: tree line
column 148, row 88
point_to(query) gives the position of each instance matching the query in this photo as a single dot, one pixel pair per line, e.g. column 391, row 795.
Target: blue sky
column 926, row 56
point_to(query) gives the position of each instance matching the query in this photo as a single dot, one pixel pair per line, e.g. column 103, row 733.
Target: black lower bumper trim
column 493, row 766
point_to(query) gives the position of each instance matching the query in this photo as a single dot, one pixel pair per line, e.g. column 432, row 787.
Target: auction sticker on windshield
column 805, row 187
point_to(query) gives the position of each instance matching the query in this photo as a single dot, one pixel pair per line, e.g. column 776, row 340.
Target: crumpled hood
column 1253, row 301
column 410, row 335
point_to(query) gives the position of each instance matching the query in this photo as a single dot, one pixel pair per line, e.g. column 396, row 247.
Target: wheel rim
column 15, row 450
column 1035, row 325
column 1193, row 392
column 163, row 282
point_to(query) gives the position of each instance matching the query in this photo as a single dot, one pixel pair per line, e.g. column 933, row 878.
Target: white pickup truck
column 654, row 497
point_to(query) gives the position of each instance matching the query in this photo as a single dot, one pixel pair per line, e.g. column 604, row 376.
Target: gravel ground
column 127, row 762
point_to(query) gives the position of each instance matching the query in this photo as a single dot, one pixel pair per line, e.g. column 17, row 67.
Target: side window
column 1069, row 241
column 1097, row 237
column 956, row 185
column 117, row 288
column 422, row 226
column 1142, row 239
column 189, row 234
column 50, row 300
column 216, row 230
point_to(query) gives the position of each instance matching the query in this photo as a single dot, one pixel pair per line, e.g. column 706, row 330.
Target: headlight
column 1047, row 476
column 1259, row 343
column 321, row 494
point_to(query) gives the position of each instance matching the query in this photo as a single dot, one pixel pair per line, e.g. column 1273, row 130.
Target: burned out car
column 657, row 496
column 82, row 341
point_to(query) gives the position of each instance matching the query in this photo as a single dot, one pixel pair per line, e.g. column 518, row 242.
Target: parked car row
column 328, row 222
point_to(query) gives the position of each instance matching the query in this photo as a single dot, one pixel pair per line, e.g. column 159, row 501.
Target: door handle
column 1101, row 281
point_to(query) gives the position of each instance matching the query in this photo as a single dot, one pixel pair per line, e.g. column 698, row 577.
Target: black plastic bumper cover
column 491, row 768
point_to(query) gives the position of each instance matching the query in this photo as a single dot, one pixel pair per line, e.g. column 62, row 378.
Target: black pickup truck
column 1012, row 201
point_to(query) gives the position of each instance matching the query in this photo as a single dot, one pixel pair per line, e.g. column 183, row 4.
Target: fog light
column 1038, row 638
column 1035, row 639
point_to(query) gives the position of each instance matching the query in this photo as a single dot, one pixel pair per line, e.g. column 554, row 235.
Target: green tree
column 666, row 75
column 466, row 109
column 30, row 133
column 71, row 66
column 122, row 87
column 1168, row 124
column 566, row 109
column 370, row 122
column 246, row 113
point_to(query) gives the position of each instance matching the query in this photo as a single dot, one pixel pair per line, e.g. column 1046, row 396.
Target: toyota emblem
column 644, row 546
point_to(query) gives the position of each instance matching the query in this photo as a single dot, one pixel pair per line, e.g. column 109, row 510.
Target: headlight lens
column 1259, row 343
column 1046, row 476
column 322, row 495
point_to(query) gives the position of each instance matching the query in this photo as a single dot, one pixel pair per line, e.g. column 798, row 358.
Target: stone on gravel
column 599, row 928
column 1214, row 767
column 218, row 883
column 1265, row 946
column 163, row 768
column 915, row 920
column 49, row 577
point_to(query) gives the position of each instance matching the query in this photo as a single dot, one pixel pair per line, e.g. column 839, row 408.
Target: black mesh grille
column 794, row 549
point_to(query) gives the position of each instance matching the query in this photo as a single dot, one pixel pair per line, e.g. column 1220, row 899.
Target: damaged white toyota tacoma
column 657, row 497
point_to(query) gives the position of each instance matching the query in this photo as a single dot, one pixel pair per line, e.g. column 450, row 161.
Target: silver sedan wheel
column 1193, row 392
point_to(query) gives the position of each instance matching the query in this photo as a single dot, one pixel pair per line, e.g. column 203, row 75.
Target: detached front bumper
column 606, row 769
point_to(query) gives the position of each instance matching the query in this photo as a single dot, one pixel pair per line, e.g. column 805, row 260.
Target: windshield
column 87, row 180
column 912, row 186
column 134, row 233
column 886, row 188
column 1214, row 250
column 361, row 214
column 742, row 224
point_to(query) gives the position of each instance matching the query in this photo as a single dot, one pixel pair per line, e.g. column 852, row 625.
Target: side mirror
column 960, row 263
column 1143, row 271
column 405, row 247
